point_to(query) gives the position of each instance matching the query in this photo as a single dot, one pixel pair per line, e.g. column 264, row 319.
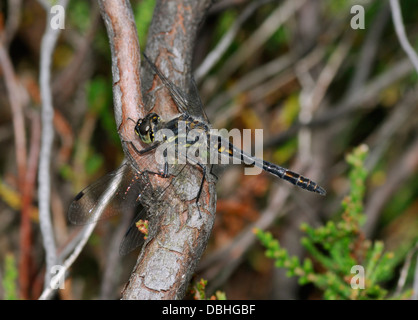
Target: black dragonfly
column 185, row 139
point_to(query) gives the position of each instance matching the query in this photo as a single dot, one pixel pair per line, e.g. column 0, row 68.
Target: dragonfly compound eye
column 146, row 127
column 138, row 124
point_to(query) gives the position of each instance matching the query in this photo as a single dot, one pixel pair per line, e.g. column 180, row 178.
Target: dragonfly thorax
column 145, row 128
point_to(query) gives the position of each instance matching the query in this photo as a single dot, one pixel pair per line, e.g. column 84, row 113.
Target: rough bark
column 178, row 233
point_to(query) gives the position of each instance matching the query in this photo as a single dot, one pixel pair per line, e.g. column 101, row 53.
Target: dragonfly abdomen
column 274, row 169
column 293, row 177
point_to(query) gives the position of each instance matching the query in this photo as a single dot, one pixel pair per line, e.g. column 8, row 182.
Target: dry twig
column 49, row 40
column 400, row 31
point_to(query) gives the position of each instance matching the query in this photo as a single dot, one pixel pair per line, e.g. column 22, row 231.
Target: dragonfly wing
column 196, row 104
column 117, row 191
column 133, row 237
column 191, row 103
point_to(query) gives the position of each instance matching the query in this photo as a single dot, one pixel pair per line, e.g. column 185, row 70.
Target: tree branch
column 165, row 267
column 44, row 191
column 178, row 237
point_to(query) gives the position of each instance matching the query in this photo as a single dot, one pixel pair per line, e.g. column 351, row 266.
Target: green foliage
column 143, row 15
column 219, row 295
column 99, row 98
column 198, row 292
column 339, row 246
column 402, row 200
column 53, row 2
column 79, row 14
column 280, row 39
column 338, row 6
column 9, row 279
column 93, row 163
column 286, row 151
column 143, row 227
column 226, row 19
column 288, row 115
column 290, row 110
column 223, row 24
column 97, row 94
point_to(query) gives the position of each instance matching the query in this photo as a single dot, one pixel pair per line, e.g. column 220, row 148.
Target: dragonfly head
column 145, row 128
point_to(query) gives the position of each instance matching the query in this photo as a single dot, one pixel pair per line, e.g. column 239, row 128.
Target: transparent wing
column 133, row 191
column 190, row 104
column 133, row 237
column 196, row 104
column 130, row 188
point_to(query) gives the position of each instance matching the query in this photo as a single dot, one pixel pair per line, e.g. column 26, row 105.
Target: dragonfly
column 186, row 139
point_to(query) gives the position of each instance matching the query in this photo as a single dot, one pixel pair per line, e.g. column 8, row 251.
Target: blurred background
column 296, row 69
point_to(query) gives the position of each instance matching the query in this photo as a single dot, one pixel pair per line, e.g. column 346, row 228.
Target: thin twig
column 349, row 105
column 310, row 99
column 223, row 5
column 28, row 191
column 111, row 276
column 48, row 43
column 277, row 18
column 368, row 52
column 256, row 84
column 85, row 235
column 19, row 131
column 400, row 31
column 384, row 136
column 262, row 90
column 15, row 101
column 219, row 265
column 13, row 20
column 404, row 271
column 415, row 284
column 399, row 172
column 82, row 63
column 213, row 57
column 328, row 73
column 250, row 80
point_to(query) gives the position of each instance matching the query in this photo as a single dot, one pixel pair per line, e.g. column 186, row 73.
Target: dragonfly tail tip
column 321, row 191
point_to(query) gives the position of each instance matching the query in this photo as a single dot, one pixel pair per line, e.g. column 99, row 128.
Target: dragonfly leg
column 150, row 148
column 145, row 150
column 200, row 187
column 164, row 174
column 213, row 173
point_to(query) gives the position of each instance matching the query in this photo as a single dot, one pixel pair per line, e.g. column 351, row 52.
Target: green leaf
column 10, row 276
column 143, row 15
